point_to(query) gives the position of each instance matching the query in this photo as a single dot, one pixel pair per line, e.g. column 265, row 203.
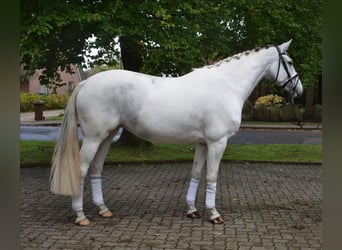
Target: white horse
column 202, row 107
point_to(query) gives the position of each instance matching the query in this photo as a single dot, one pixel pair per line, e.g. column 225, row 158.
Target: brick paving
column 265, row 206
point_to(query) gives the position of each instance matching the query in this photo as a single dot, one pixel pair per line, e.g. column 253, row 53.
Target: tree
column 174, row 36
column 166, row 37
column 52, row 35
column 274, row 22
column 130, row 48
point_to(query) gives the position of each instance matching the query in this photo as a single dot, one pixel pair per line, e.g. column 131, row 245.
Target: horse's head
column 284, row 73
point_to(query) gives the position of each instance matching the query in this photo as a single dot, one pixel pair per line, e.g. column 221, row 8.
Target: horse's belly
column 171, row 138
column 159, row 133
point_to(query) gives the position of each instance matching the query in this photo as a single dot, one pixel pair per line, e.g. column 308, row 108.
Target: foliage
column 174, row 36
column 50, row 101
column 273, row 22
column 271, row 100
column 52, row 35
column 35, row 153
column 99, row 68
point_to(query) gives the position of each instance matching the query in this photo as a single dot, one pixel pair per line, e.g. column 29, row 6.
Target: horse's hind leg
column 199, row 161
column 96, row 177
column 88, row 151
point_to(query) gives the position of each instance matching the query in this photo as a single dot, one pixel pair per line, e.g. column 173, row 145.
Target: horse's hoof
column 194, row 215
column 83, row 222
column 217, row 220
column 106, row 214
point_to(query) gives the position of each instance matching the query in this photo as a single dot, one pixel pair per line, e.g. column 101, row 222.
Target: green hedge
column 51, row 101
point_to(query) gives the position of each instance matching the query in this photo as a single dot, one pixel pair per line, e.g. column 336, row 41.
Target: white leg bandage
column 77, row 201
column 210, row 195
column 80, row 216
column 96, row 187
column 192, row 191
column 213, row 214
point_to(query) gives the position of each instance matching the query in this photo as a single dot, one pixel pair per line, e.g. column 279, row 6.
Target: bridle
column 290, row 84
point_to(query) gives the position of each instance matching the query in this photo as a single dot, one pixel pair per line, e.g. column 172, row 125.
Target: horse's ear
column 283, row 47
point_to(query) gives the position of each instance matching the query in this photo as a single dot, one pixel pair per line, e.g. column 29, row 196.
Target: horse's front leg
column 199, row 161
column 215, row 152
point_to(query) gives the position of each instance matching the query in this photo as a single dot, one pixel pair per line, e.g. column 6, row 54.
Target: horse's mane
column 235, row 57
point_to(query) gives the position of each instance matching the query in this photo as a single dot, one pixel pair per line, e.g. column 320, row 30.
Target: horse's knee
column 197, row 170
column 196, row 173
column 211, row 177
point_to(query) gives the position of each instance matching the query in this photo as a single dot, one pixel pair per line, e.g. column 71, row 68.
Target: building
column 32, row 85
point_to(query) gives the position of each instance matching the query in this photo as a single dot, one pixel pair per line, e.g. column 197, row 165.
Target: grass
column 54, row 118
column 38, row 153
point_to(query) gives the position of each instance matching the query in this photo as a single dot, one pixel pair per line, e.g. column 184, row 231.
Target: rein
column 290, row 84
column 298, row 123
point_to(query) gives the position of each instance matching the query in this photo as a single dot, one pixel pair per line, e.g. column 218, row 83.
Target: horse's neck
column 242, row 75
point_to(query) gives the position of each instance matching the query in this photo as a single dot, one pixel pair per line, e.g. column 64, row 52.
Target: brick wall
column 33, row 84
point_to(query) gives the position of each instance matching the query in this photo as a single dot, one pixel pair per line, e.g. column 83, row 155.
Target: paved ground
column 265, row 206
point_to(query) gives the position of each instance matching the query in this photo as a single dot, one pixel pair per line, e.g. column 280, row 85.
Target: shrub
column 271, row 100
column 247, row 111
column 274, row 114
column 286, row 113
column 317, row 113
column 261, row 112
column 51, row 101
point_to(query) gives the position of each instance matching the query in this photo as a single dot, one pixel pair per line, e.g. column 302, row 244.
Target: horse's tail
column 65, row 175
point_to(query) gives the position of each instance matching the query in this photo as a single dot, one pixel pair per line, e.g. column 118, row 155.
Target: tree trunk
column 309, row 102
column 318, row 91
column 130, row 53
column 132, row 60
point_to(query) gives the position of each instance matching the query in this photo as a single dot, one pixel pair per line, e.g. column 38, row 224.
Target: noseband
column 292, row 82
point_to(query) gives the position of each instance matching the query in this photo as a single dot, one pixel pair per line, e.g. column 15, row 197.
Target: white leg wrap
column 192, row 191
column 103, row 208
column 77, row 201
column 213, row 214
column 96, row 187
column 191, row 209
column 80, row 216
column 210, row 195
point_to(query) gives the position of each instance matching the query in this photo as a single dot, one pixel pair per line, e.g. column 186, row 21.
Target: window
column 70, row 86
column 43, row 89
